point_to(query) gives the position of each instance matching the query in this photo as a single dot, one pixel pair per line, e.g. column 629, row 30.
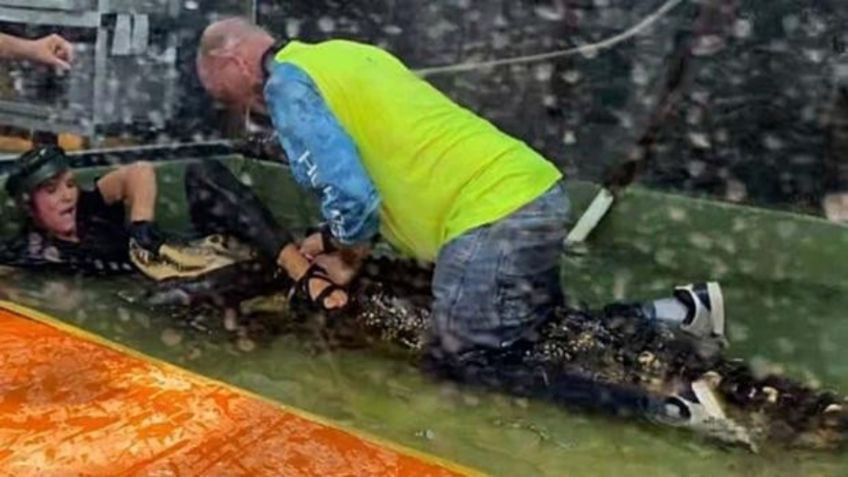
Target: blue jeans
column 495, row 284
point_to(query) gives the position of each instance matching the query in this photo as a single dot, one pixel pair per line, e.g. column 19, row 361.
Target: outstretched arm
column 51, row 50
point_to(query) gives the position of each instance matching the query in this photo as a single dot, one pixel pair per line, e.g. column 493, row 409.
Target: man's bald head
column 229, row 60
column 228, row 34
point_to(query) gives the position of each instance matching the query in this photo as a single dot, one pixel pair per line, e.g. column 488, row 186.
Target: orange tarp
column 70, row 405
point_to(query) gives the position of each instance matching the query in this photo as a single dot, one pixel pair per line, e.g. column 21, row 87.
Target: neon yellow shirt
column 439, row 169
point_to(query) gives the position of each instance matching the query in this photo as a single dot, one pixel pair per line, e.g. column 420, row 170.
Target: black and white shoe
column 705, row 303
column 699, row 410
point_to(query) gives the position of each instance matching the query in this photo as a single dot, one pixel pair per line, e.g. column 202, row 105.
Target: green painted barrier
column 718, row 240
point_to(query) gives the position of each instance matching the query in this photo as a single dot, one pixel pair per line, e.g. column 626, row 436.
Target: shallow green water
column 795, row 326
column 783, row 324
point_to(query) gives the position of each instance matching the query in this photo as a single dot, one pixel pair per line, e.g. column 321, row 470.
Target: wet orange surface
column 73, row 406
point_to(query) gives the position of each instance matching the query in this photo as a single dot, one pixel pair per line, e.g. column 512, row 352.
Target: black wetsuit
column 102, row 249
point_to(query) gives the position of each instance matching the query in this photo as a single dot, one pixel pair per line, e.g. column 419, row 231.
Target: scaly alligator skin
column 390, row 308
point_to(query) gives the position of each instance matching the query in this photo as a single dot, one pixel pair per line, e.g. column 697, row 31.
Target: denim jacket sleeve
column 323, row 156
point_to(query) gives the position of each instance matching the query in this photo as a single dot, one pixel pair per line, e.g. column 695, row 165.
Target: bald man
column 386, row 152
column 52, row 50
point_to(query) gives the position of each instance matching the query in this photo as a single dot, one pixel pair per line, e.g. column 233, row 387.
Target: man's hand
column 50, row 50
column 340, row 271
column 342, row 263
column 312, row 246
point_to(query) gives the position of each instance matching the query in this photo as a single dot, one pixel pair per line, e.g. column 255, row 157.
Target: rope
column 588, row 50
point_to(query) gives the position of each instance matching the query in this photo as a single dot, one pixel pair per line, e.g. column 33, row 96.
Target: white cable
column 590, row 49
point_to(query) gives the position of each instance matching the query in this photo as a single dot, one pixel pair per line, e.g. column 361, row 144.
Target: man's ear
column 241, row 64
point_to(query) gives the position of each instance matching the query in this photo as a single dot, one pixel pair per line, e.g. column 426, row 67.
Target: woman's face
column 54, row 205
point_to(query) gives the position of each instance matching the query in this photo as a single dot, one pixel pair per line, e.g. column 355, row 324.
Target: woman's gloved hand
column 146, row 235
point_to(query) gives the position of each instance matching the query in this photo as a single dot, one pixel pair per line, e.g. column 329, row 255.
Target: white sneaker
column 700, row 411
column 706, row 310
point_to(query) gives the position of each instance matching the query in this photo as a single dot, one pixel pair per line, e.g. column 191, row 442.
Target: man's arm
column 134, row 186
column 51, row 50
column 323, row 156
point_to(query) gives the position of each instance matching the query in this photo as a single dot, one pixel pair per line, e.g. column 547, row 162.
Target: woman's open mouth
column 69, row 212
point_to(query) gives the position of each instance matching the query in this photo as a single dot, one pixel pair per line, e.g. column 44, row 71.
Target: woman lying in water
column 94, row 230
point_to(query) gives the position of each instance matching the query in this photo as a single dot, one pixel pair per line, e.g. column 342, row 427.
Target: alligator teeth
column 771, row 394
column 646, row 358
